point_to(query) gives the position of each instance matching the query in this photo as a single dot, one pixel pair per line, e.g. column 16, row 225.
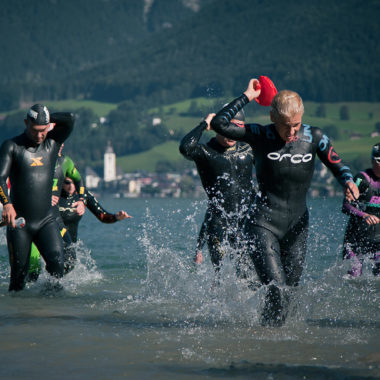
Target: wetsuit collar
column 213, row 143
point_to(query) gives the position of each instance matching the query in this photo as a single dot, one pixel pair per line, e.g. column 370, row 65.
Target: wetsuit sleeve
column 353, row 208
column 331, row 159
column 73, row 173
column 221, row 122
column 6, row 154
column 189, row 146
column 64, row 124
column 94, row 206
column 202, row 237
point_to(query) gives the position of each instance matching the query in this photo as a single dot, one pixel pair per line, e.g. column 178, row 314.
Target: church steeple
column 109, row 163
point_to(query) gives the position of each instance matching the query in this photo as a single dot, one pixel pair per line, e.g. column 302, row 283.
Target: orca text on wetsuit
column 30, row 168
column 277, row 225
column 226, row 175
column 361, row 239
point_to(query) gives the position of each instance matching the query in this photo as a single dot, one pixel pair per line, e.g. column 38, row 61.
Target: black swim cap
column 39, row 115
column 239, row 116
column 376, row 151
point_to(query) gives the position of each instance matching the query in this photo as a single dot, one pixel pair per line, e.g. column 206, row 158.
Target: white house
column 92, row 179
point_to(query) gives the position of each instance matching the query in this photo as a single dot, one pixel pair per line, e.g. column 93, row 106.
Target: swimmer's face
column 224, row 141
column 68, row 186
column 37, row 133
column 376, row 165
column 288, row 127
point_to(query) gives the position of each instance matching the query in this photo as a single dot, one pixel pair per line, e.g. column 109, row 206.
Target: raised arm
column 64, row 124
column 189, row 146
column 221, row 122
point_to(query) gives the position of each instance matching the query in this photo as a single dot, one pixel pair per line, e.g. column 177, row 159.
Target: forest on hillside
column 115, row 51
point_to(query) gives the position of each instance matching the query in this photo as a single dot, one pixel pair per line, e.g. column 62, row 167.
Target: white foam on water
column 177, row 290
column 84, row 274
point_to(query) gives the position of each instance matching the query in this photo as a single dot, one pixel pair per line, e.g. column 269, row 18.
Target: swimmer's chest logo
column 37, row 161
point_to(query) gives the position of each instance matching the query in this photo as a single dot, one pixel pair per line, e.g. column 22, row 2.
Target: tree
column 332, row 131
column 193, row 109
column 344, row 113
column 320, row 111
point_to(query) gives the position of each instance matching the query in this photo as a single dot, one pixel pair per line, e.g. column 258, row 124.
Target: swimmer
column 277, row 223
column 29, row 161
column 68, row 209
column 225, row 168
column 362, row 235
column 64, row 167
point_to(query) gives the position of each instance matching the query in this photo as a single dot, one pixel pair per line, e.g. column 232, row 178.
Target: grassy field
column 147, row 160
column 362, row 119
column 99, row 108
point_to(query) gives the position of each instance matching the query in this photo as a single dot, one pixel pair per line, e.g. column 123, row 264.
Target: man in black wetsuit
column 225, row 167
column 277, row 224
column 63, row 167
column 362, row 236
column 70, row 215
column 29, row 160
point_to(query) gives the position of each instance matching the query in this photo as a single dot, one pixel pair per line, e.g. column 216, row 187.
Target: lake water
column 135, row 306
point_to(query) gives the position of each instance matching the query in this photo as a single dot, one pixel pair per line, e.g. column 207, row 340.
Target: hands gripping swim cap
column 268, row 91
column 39, row 115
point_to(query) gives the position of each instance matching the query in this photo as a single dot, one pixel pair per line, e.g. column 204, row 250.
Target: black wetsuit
column 30, row 168
column 65, row 168
column 226, row 175
column 71, row 219
column 361, row 239
column 277, row 225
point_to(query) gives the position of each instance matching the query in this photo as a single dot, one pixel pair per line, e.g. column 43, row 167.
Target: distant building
column 109, row 164
column 134, row 187
column 156, row 121
column 92, row 179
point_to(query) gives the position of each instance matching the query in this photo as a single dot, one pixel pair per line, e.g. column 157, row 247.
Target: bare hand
column 198, row 257
column 54, row 200
column 371, row 219
column 121, row 215
column 253, row 90
column 351, row 192
column 9, row 215
column 80, row 208
column 208, row 119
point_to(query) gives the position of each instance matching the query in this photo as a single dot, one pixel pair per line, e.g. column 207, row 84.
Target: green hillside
column 362, row 120
column 154, row 52
column 100, row 109
column 130, row 130
column 148, row 160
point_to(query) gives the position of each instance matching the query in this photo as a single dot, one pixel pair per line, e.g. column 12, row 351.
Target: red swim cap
column 268, row 91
